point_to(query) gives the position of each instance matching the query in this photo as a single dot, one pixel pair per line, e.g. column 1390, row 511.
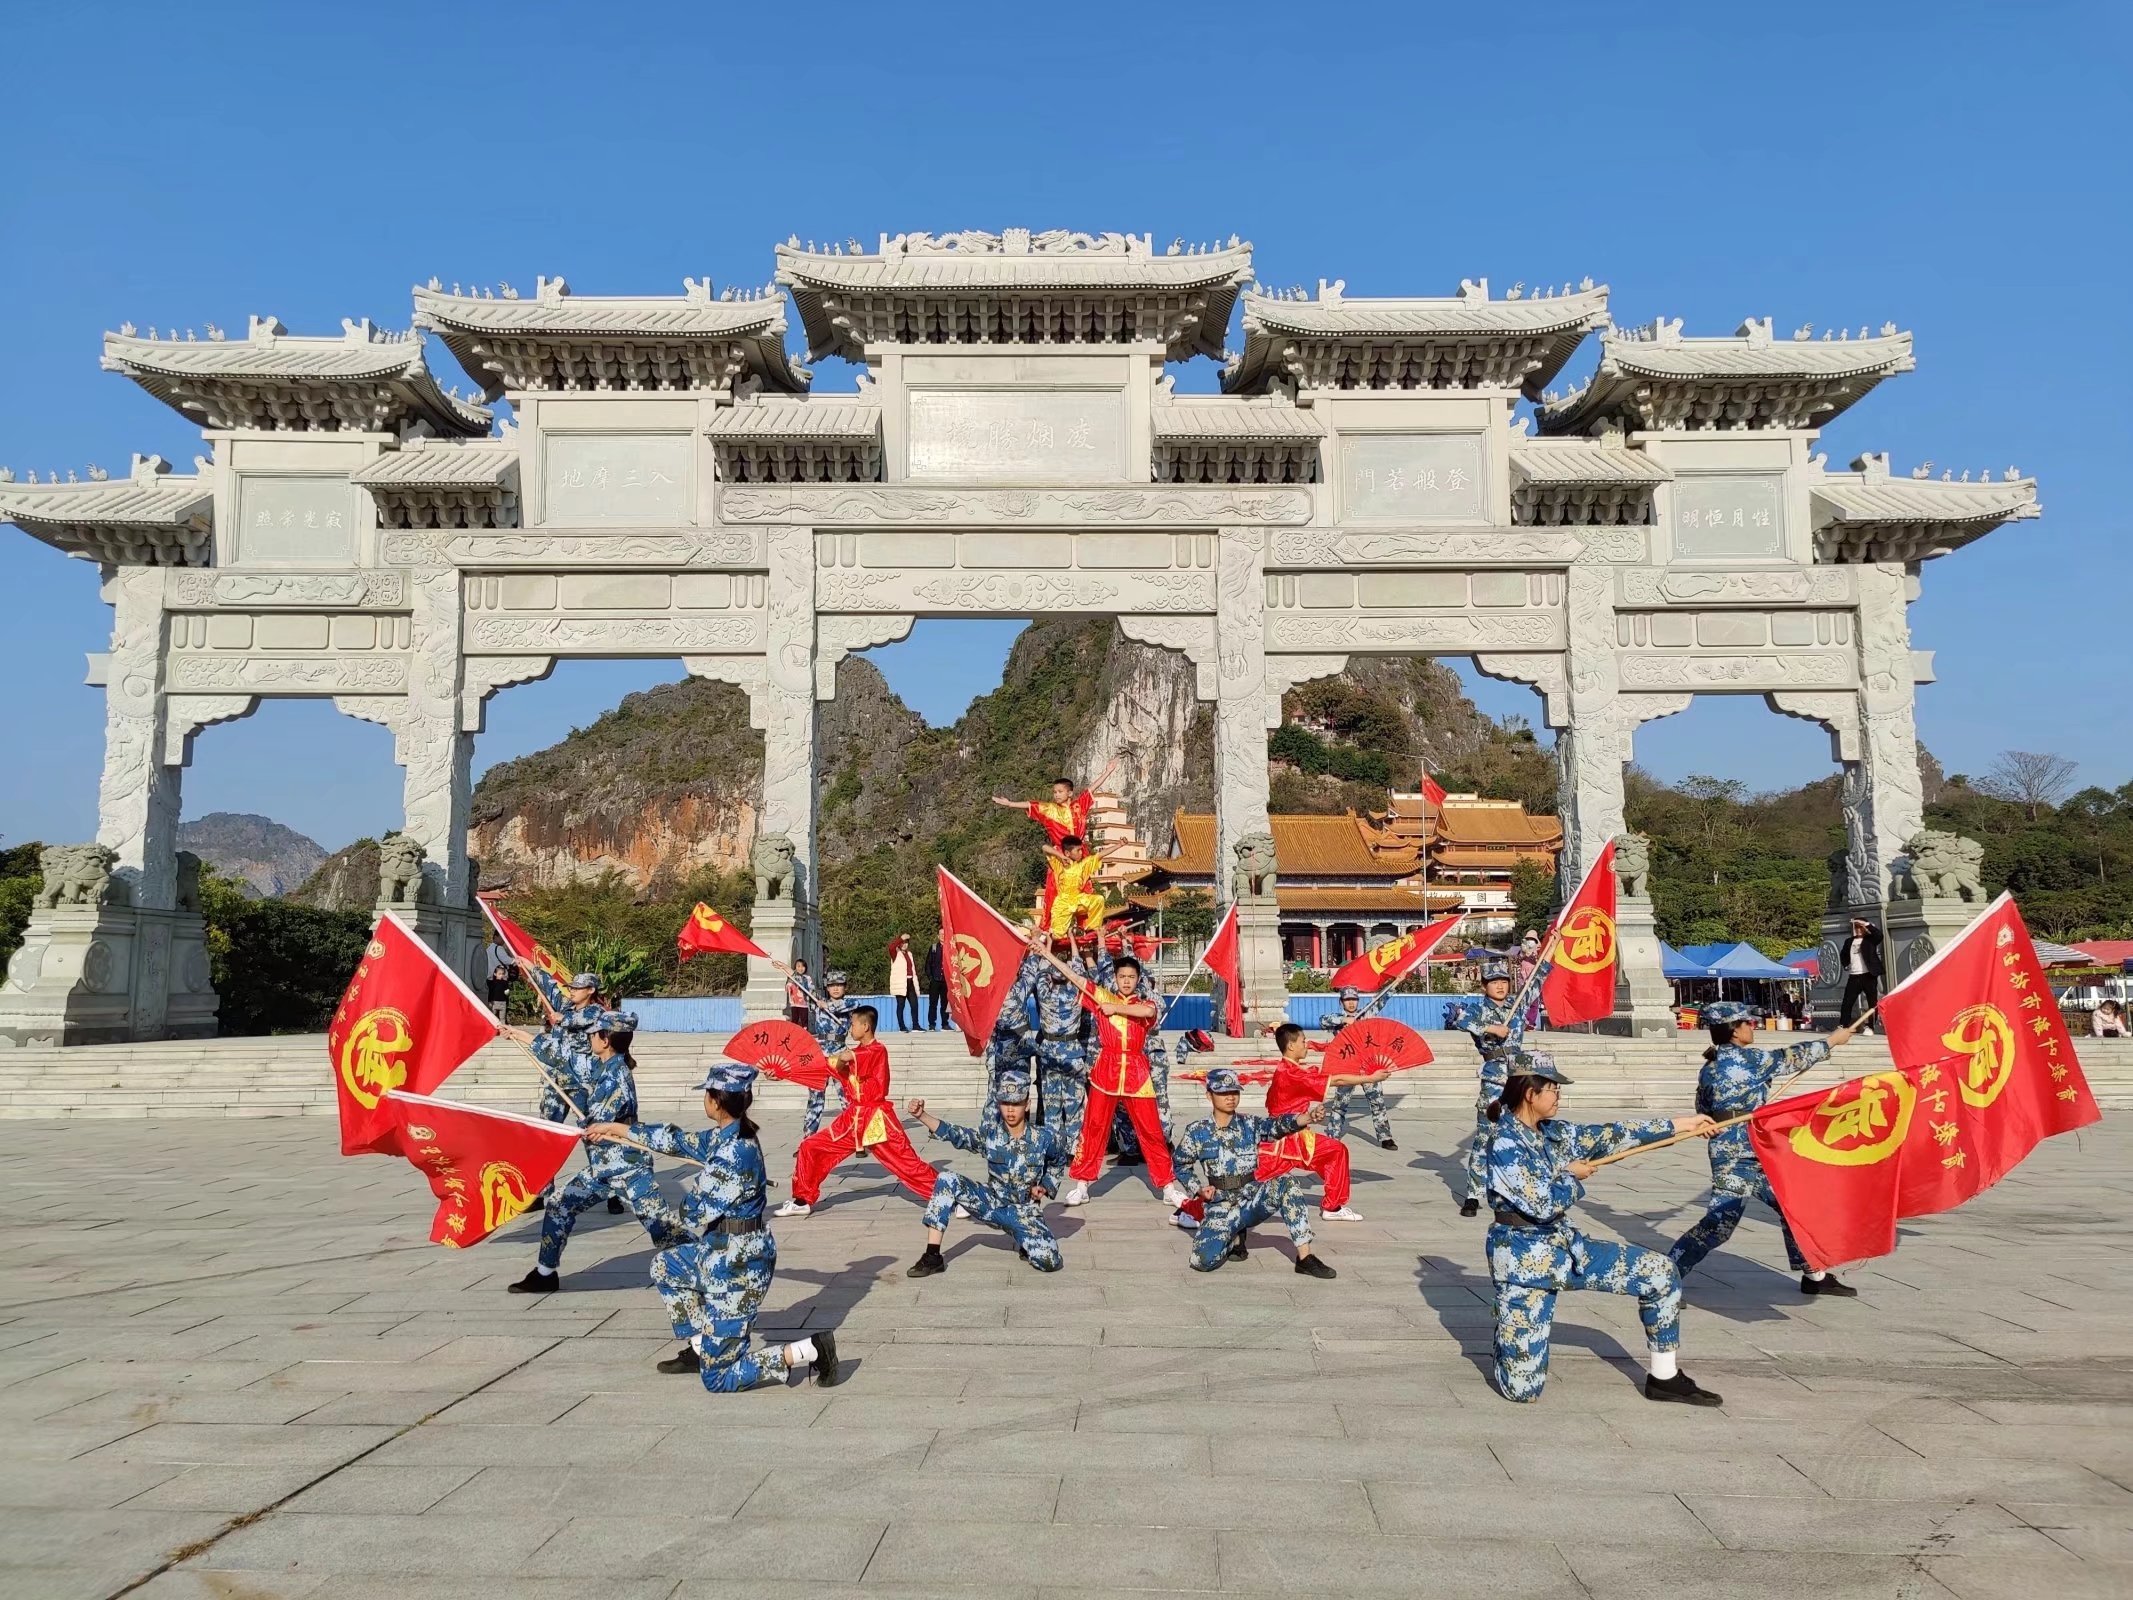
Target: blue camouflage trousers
column 1024, row 1223
column 1531, row 1266
column 1373, row 1100
column 1722, row 1217
column 1063, row 1077
column 628, row 1181
column 1477, row 1150
column 1228, row 1219
column 812, row 1121
column 713, row 1287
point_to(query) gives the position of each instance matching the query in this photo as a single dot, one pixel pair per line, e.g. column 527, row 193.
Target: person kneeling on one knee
column 1537, row 1166
column 1219, row 1156
column 1022, row 1164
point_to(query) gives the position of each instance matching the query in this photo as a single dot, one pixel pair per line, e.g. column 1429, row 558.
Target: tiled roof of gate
column 1234, row 419
column 778, row 418
column 427, row 463
column 1583, row 461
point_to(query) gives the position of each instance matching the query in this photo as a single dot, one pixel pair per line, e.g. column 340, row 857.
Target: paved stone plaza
column 229, row 1358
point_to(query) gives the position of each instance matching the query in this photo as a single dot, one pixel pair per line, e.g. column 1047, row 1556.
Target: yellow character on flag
column 1869, row 1127
column 370, row 1052
column 504, row 1194
column 1985, row 1039
column 1586, row 942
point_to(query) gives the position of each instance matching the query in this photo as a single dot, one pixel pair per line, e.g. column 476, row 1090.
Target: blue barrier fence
column 722, row 1013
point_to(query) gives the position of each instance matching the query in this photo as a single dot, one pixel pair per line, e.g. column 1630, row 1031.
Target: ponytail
column 1721, row 1037
column 736, row 1105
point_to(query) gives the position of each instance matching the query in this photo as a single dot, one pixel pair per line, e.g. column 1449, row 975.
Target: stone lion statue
column 1944, row 866
column 188, row 881
column 775, row 860
column 1633, row 862
column 400, row 862
column 78, row 875
column 1253, row 876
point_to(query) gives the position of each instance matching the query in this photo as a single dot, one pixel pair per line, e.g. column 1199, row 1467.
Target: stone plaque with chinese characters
column 1000, row 436
column 618, row 479
column 308, row 518
column 1729, row 515
column 1412, row 478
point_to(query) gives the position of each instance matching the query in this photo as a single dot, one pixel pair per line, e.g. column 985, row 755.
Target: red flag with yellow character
column 980, row 953
column 1986, row 1071
column 406, row 1023
column 1580, row 986
column 706, row 933
column 484, row 1166
column 523, row 945
column 1388, row 963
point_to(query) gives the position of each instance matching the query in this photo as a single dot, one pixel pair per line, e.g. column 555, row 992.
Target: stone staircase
column 288, row 1075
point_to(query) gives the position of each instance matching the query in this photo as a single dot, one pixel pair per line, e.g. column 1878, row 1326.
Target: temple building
column 1349, row 881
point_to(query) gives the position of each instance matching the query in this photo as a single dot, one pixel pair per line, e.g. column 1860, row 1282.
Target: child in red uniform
column 1065, row 814
column 867, row 1123
column 1297, row 1085
column 1121, row 1078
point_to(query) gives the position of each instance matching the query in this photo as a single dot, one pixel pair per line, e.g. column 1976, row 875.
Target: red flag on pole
column 484, row 1166
column 981, row 952
column 1986, row 1072
column 1388, row 963
column 523, row 945
column 406, row 1023
column 706, row 933
column 1432, row 791
column 1581, row 985
column 1223, row 958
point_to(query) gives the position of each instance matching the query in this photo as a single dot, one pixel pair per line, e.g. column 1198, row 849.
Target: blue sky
column 1958, row 168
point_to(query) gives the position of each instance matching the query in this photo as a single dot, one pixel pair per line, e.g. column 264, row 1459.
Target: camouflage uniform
column 1534, row 1252
column 1494, row 1054
column 1373, row 1094
column 610, row 1169
column 1228, row 1158
column 714, row 1281
column 1012, row 1166
column 832, row 1023
column 1062, row 1050
column 1734, row 1082
column 558, row 1045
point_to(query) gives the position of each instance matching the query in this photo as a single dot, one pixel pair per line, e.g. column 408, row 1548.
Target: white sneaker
column 963, row 1212
column 1174, row 1194
column 1345, row 1214
column 1077, row 1195
column 1184, row 1222
column 793, row 1208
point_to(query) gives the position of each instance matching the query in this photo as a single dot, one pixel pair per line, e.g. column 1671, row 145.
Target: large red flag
column 406, row 1022
column 484, row 1166
column 1986, row 1071
column 1387, row 964
column 1432, row 791
column 981, row 952
column 523, row 945
column 1580, row 987
column 1223, row 958
column 706, row 933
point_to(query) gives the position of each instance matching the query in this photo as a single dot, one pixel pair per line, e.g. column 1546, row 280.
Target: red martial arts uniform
column 1121, row 1077
column 1069, row 821
column 867, row 1123
column 1298, row 1088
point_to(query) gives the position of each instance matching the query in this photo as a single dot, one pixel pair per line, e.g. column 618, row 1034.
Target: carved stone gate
column 1364, row 484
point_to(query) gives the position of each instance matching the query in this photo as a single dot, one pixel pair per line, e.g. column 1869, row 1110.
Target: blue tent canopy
column 1673, row 964
column 1745, row 961
column 1720, row 961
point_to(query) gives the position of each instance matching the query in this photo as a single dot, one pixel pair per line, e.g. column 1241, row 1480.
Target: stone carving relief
column 1940, row 866
column 706, row 549
column 1017, row 591
column 1327, row 548
column 186, row 714
column 828, row 506
column 1284, row 673
column 1544, row 672
column 1254, row 876
column 772, row 859
column 1616, row 545
column 79, row 875
column 436, row 755
column 838, row 637
column 400, row 862
column 188, row 892
column 138, row 798
column 482, row 676
column 1633, row 862
column 98, row 968
column 1448, row 632
column 628, row 635
column 1241, row 689
column 1191, row 637
column 1735, row 672
column 1889, row 802
column 347, row 591
column 361, row 674
column 1838, row 712
column 1661, row 587
column 788, row 701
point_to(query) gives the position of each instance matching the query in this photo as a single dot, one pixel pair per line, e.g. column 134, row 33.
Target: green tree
column 1533, row 894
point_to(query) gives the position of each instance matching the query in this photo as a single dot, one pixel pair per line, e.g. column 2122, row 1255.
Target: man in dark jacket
column 937, row 985
column 1859, row 959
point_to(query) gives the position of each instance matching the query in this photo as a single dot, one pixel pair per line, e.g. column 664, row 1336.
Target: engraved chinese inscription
column 991, row 436
column 1729, row 515
column 1412, row 478
column 291, row 518
column 619, row 479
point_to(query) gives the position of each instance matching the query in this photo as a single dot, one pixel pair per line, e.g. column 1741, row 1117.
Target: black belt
column 1518, row 1219
column 1061, row 1038
column 1228, row 1185
column 732, row 1225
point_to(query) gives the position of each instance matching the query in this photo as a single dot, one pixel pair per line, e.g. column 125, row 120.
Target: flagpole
column 1164, row 1020
column 1555, row 936
column 1385, row 993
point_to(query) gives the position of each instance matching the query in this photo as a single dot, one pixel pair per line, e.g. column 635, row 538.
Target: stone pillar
column 1644, row 1000
column 1246, row 706
column 787, row 922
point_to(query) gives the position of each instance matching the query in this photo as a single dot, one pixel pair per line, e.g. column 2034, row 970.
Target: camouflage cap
column 1534, row 1064
column 586, row 980
column 1223, row 1080
column 1012, row 1090
column 616, row 1022
column 1727, row 1011
column 728, row 1077
column 837, row 979
column 1495, row 971
column 1349, row 992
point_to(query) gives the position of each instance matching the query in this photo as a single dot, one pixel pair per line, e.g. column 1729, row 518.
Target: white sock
column 802, row 1351
column 1664, row 1364
column 546, row 1272
column 1816, row 1277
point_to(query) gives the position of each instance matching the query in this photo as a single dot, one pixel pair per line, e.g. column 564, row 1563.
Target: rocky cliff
column 268, row 858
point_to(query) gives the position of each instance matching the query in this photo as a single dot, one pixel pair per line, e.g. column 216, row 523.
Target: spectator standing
column 903, row 983
column 1859, row 958
column 937, row 983
column 799, row 1007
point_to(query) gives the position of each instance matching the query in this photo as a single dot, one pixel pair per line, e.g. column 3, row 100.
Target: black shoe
column 1388, row 1144
column 1828, row 1286
column 1237, row 1250
column 827, row 1371
column 928, row 1263
column 1680, row 1388
column 1312, row 1267
column 538, row 1203
column 683, row 1360
column 536, row 1282
column 615, row 1207
column 1470, row 1208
